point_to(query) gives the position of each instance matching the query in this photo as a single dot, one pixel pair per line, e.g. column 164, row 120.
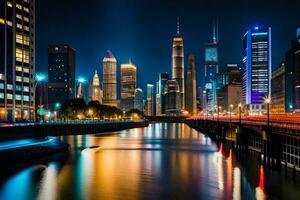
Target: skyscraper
column 61, row 72
column 17, row 60
column 79, row 93
column 292, row 76
column 128, row 85
column 190, row 91
column 178, row 62
column 160, row 93
column 211, row 69
column 139, row 99
column 109, row 66
column 95, row 92
column 257, row 67
column 150, row 100
column 173, row 98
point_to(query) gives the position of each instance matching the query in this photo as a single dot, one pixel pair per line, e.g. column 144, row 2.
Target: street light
column 38, row 78
column 268, row 101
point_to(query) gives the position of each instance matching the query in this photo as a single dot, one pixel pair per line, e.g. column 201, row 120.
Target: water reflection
column 162, row 161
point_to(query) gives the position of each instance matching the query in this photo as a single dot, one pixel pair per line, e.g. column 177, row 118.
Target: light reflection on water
column 162, row 161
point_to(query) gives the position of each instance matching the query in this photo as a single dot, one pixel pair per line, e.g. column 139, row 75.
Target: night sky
column 143, row 29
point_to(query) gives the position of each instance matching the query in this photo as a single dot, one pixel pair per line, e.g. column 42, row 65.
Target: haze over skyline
column 143, row 31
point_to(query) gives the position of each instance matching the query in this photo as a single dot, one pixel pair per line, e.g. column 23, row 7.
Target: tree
column 72, row 108
column 134, row 113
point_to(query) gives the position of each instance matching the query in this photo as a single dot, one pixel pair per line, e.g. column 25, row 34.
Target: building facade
column 173, row 98
column 211, row 70
column 178, row 63
column 191, row 90
column 139, row 99
column 17, row 60
column 160, row 93
column 150, row 100
column 61, row 74
column 278, row 90
column 128, row 85
column 95, row 92
column 109, row 70
column 257, row 67
column 292, row 76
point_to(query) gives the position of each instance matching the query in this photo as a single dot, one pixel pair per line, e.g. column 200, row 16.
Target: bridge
column 276, row 139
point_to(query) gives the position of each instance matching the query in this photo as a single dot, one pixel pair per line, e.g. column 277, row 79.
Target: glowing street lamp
column 39, row 77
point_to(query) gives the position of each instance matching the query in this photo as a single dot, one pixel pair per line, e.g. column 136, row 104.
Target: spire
column 215, row 31
column 178, row 26
column 95, row 71
column 130, row 62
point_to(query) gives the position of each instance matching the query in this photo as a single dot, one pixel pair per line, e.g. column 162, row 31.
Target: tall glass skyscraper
column 17, row 60
column 211, row 69
column 61, row 72
column 150, row 100
column 161, row 84
column 190, row 91
column 257, row 68
column 128, row 85
column 139, row 99
column 178, row 62
column 109, row 70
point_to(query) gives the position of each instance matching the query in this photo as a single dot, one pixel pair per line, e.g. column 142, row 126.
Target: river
column 162, row 161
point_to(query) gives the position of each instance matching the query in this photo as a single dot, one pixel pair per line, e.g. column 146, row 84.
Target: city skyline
column 196, row 30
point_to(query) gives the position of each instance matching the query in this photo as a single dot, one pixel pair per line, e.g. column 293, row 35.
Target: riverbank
column 25, row 131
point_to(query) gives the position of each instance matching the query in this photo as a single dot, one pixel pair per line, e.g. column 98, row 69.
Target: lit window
column 26, row 89
column 9, row 86
column 26, row 19
column 1, row 95
column 1, row 85
column 9, row 23
column 19, row 78
column 26, row 79
column 9, row 4
column 2, row 21
column 1, row 76
column 18, row 68
column 26, row 9
column 18, row 97
column 26, row 98
column 9, row 96
column 19, row 16
column 26, row 70
column 19, row 26
column 19, row 6
column 18, row 87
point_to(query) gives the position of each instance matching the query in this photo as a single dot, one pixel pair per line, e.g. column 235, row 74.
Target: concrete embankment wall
column 43, row 130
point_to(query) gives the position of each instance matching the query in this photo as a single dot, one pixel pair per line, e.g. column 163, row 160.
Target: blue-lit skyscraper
column 211, row 69
column 257, row 68
column 160, row 93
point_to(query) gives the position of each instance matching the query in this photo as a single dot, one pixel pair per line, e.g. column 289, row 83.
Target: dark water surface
column 162, row 161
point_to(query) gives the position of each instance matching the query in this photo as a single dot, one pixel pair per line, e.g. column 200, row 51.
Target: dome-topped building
column 95, row 90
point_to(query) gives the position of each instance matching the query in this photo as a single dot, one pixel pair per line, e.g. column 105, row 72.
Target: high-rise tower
column 95, row 92
column 109, row 66
column 178, row 62
column 17, row 60
column 128, row 85
column 257, row 67
column 190, row 91
column 211, row 69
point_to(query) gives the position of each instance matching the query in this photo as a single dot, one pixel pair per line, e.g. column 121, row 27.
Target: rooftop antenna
column 178, row 26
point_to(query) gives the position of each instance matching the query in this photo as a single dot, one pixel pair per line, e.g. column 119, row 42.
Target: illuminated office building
column 79, row 92
column 150, row 100
column 173, row 98
column 257, row 66
column 139, row 99
column 211, row 70
column 178, row 63
column 61, row 74
column 17, row 60
column 160, row 93
column 190, row 91
column 278, row 90
column 109, row 70
column 128, row 85
column 95, row 92
column 292, row 76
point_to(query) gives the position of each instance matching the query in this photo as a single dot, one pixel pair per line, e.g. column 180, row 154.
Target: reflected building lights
column 48, row 185
column 236, row 184
column 260, row 190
